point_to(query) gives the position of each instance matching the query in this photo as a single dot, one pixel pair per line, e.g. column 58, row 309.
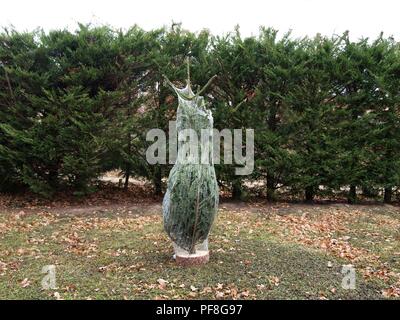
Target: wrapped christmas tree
column 191, row 200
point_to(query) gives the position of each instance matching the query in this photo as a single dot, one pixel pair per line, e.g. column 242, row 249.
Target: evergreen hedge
column 325, row 110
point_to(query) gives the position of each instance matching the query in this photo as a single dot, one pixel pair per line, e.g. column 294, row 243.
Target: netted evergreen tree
column 191, row 200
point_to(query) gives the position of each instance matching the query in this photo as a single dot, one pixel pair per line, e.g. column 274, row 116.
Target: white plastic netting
column 191, row 200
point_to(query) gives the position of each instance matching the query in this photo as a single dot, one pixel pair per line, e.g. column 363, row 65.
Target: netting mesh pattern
column 191, row 200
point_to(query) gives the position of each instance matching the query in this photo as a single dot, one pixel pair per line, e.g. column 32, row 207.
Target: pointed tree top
column 186, row 92
column 188, row 71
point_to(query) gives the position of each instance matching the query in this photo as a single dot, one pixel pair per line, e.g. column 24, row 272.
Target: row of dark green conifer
column 325, row 110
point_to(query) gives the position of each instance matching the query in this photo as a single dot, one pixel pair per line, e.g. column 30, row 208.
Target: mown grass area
column 257, row 252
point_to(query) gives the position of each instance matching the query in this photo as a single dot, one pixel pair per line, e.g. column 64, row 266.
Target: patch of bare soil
column 107, row 196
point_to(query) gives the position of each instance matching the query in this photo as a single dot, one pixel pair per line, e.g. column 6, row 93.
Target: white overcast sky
column 305, row 17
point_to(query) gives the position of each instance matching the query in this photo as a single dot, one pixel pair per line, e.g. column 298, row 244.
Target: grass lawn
column 257, row 251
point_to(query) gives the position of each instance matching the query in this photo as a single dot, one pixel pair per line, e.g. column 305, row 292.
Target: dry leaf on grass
column 162, row 284
column 25, row 283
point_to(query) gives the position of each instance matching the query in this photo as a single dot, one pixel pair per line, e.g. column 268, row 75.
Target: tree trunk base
column 388, row 195
column 196, row 259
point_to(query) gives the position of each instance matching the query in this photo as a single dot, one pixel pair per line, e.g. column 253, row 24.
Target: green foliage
column 75, row 104
column 59, row 146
